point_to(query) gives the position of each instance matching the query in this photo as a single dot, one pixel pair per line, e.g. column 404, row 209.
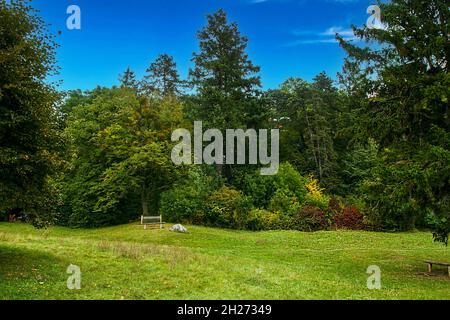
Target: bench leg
column 430, row 268
column 449, row 271
column 145, row 227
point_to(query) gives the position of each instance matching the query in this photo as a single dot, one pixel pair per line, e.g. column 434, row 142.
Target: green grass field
column 127, row 262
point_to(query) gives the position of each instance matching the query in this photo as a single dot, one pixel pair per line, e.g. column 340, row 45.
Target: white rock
column 178, row 228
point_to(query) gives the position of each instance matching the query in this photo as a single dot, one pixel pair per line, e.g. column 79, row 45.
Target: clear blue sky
column 286, row 37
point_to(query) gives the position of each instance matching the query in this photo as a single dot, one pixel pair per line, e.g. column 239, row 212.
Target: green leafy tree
column 139, row 149
column 406, row 111
column 307, row 115
column 120, row 157
column 29, row 138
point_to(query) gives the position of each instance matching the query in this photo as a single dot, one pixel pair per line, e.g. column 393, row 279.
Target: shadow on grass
column 29, row 274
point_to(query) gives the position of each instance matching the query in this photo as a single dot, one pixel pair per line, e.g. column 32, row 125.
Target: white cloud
column 327, row 36
column 343, row 32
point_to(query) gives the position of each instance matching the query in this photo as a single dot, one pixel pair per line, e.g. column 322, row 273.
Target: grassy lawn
column 127, row 262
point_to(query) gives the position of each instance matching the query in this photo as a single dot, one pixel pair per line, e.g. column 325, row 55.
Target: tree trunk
column 144, row 202
column 228, row 173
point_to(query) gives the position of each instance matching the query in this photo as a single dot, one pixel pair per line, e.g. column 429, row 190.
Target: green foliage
column 120, row 157
column 381, row 141
column 227, row 207
column 308, row 114
column 185, row 202
column 226, row 81
column 223, row 74
column 358, row 165
column 199, row 198
column 283, row 202
column 260, row 219
column 30, row 140
column 162, row 77
column 406, row 76
column 399, row 206
column 128, row 79
column 287, row 187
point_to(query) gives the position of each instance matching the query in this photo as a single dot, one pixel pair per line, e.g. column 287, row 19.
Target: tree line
column 370, row 150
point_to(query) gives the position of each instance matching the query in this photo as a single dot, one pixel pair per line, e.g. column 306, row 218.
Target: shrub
column 349, row 218
column 284, row 202
column 261, row 189
column 315, row 196
column 227, row 208
column 291, row 180
column 335, row 207
column 309, row 218
column 260, row 219
column 184, row 203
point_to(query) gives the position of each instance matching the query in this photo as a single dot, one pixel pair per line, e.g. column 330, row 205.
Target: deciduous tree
column 29, row 137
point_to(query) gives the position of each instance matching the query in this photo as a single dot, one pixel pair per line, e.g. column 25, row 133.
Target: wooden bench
column 154, row 221
column 430, row 265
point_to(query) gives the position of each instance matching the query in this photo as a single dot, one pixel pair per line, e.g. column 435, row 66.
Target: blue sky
column 286, row 37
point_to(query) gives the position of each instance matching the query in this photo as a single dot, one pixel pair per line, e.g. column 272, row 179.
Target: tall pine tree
column 406, row 110
column 162, row 77
column 128, row 79
column 223, row 74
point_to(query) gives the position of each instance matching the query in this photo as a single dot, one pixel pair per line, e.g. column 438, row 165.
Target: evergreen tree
column 406, row 110
column 226, row 80
column 128, row 79
column 162, row 77
column 223, row 74
column 309, row 112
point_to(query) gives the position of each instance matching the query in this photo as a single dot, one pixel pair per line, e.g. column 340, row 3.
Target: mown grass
column 127, row 262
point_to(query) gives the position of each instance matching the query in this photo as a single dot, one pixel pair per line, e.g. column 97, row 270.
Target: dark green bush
column 284, row 202
column 273, row 191
column 185, row 202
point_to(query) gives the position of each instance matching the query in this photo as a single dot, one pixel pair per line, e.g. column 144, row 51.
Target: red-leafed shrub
column 335, row 207
column 350, row 218
column 309, row 218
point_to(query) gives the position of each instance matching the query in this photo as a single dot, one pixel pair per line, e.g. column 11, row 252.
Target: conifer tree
column 128, row 79
column 406, row 81
column 162, row 77
column 223, row 73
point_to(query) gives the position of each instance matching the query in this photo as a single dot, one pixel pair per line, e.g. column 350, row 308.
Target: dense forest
column 369, row 150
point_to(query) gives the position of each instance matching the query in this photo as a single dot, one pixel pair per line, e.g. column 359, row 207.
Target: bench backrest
column 151, row 218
